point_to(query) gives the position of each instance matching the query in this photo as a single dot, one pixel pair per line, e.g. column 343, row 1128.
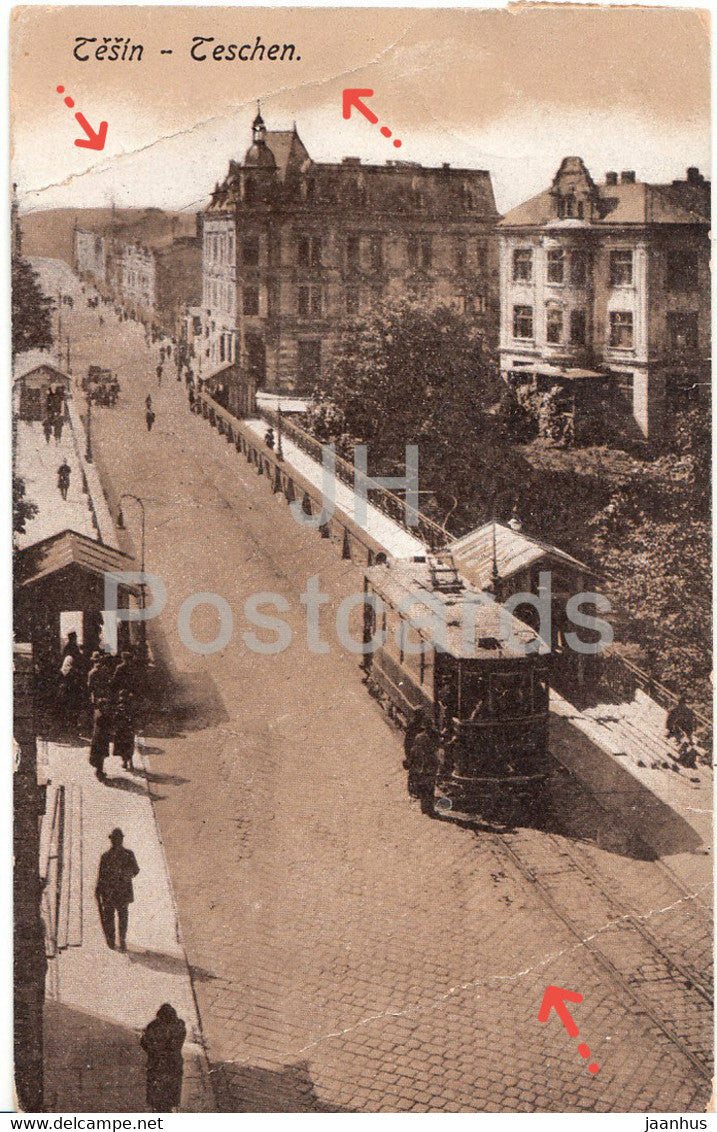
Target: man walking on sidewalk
column 114, row 891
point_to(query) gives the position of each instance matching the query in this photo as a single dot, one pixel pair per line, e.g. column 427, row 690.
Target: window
column 250, row 250
column 353, row 251
column 522, row 322
column 554, row 324
column 621, row 268
column 682, row 270
column 412, row 249
column 522, row 265
column 556, row 265
column 308, row 252
column 352, row 300
column 682, row 331
column 480, row 304
column 376, row 253
column 578, row 268
column 426, row 252
column 577, row 328
column 251, row 300
column 309, row 301
column 459, row 254
column 481, row 255
column 621, row 330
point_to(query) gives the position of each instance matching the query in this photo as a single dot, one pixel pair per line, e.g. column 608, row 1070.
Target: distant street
column 348, row 953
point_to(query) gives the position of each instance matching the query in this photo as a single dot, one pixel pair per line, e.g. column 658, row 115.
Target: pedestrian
column 162, row 1041
column 422, row 759
column 58, row 422
column 63, row 478
column 190, row 398
column 148, row 401
column 99, row 678
column 114, row 892
column 124, row 729
column 159, row 374
column 70, row 683
column 149, row 417
column 101, row 735
column 124, row 678
column 47, row 428
column 681, row 720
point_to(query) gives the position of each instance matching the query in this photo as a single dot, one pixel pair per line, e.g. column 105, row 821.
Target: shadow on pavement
column 131, row 787
column 247, row 1088
column 167, row 964
column 181, row 703
column 91, row 1064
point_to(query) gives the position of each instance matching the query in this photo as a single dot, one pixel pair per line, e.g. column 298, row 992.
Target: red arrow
column 95, row 138
column 554, row 999
column 353, row 98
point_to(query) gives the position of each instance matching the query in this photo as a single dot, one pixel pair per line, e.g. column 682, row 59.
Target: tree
column 31, row 310
column 416, row 373
column 654, row 537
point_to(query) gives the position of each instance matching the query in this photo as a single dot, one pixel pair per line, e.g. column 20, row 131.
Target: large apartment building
column 292, row 247
column 609, row 285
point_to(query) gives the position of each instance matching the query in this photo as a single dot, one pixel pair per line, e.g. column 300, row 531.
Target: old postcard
column 361, row 561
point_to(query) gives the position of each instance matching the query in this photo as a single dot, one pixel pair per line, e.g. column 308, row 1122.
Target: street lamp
column 88, row 445
column 279, row 449
column 142, row 595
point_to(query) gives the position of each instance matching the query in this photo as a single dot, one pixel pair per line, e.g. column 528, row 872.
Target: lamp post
column 142, row 595
column 88, row 445
column 279, row 449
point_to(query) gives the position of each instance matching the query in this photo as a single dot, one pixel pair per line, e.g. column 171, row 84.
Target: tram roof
column 498, row 635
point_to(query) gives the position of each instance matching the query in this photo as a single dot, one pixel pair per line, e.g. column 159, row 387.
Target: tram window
column 509, row 694
column 473, row 694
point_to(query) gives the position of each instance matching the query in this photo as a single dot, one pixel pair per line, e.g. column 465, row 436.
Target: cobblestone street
column 348, row 953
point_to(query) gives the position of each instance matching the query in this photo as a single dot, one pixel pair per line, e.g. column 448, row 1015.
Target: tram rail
column 676, row 998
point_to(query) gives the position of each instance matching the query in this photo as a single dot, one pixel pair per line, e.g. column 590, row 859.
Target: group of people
column 107, row 688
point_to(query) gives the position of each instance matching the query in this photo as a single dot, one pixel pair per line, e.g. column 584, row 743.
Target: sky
column 511, row 90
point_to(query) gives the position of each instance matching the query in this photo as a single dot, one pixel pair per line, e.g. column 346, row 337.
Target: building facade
column 90, row 254
column 150, row 262
column 157, row 283
column 609, row 284
column 292, row 247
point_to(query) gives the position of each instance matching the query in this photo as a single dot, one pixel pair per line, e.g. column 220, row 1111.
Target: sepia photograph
column 361, row 561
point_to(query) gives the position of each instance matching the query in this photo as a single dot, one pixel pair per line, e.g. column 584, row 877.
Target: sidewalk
column 99, row 1000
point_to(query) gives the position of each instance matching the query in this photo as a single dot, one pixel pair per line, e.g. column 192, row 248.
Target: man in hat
column 114, row 891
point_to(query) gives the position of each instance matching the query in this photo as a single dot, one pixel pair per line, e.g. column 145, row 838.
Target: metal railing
column 397, row 509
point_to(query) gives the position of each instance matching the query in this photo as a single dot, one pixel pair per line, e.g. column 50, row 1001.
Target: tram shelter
column 60, row 585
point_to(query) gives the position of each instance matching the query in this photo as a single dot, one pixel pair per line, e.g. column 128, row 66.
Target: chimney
column 694, row 177
column 628, row 176
column 446, row 164
column 611, row 178
column 351, row 161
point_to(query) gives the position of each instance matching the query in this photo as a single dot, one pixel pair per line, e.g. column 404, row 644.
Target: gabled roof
column 43, row 372
column 515, row 552
column 69, row 548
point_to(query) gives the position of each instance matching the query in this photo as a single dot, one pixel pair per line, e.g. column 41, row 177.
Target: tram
column 466, row 680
